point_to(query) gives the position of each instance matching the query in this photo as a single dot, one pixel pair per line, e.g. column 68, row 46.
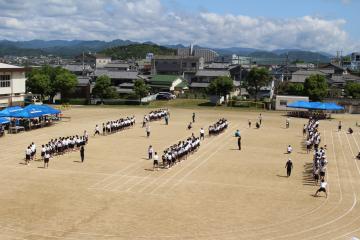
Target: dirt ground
column 217, row 193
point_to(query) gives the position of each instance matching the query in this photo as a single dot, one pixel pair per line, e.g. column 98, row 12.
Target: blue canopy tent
column 4, row 120
column 9, row 111
column 34, row 111
column 29, row 112
column 299, row 104
column 316, row 106
column 50, row 110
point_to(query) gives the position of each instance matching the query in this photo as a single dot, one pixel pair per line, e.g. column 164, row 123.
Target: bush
column 77, row 101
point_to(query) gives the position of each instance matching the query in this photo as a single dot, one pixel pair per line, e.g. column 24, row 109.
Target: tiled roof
column 117, row 74
column 212, row 73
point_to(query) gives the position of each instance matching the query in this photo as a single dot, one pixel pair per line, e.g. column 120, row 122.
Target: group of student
column 218, row 127
column 319, row 159
column 175, row 153
column 115, row 126
column 156, row 116
column 312, row 134
column 57, row 147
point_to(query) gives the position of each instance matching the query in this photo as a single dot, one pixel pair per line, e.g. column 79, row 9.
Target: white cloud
column 148, row 20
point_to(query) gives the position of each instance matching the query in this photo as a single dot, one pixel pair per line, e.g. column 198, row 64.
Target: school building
column 12, row 85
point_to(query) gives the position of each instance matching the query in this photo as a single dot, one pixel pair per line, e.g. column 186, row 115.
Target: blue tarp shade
column 49, row 110
column 29, row 112
column 299, row 104
column 9, row 111
column 4, row 120
column 33, row 111
column 316, row 106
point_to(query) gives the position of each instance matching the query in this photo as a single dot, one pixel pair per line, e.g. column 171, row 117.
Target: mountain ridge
column 71, row 48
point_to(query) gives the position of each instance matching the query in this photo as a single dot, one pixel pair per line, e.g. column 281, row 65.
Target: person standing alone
column 82, row 153
column 239, row 142
column 289, row 167
column 193, row 117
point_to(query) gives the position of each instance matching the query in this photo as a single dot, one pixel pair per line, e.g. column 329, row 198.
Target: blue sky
column 316, row 25
column 327, row 9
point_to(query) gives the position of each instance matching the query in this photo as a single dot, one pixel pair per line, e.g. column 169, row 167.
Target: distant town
column 185, row 72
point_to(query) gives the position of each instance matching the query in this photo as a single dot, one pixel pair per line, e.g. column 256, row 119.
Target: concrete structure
column 207, row 54
column 102, row 60
column 176, row 65
column 282, row 101
column 12, row 85
column 355, row 61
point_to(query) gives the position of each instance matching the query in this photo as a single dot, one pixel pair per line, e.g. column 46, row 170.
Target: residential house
column 167, row 83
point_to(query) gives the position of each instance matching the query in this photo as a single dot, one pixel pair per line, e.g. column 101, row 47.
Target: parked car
column 172, row 96
column 163, row 97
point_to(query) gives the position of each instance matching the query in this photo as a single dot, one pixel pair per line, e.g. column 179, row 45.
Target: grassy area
column 182, row 103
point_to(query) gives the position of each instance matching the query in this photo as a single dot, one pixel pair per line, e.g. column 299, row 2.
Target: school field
column 217, row 193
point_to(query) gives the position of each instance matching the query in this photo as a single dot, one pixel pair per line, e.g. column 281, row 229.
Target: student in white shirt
column 322, row 188
column 27, row 155
column 97, row 130
column 156, row 162
column 150, row 152
column 289, row 149
column 46, row 159
column 202, row 134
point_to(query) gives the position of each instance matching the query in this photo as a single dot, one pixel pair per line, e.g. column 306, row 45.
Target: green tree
column 352, row 89
column 296, row 89
column 221, row 86
column 316, row 87
column 48, row 81
column 141, row 89
column 64, row 82
column 39, row 83
column 257, row 78
column 103, row 88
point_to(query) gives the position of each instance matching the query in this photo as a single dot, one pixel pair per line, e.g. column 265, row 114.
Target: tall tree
column 296, row 89
column 221, row 86
column 257, row 78
column 316, row 87
column 65, row 82
column 141, row 89
column 103, row 88
column 39, row 83
column 48, row 81
column 352, row 89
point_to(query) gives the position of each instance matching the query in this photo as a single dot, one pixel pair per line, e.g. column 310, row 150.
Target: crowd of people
column 56, row 147
column 176, row 153
column 309, row 114
column 156, row 116
column 115, row 126
column 218, row 127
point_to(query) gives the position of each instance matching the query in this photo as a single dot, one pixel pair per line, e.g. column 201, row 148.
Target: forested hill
column 137, row 51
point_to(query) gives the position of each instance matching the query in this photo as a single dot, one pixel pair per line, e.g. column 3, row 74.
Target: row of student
column 56, row 147
column 319, row 160
column 175, row 153
column 115, row 126
column 156, row 115
column 218, row 127
column 312, row 134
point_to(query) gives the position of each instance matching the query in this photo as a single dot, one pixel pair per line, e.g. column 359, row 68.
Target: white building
column 102, row 60
column 283, row 101
column 12, row 85
column 355, row 61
